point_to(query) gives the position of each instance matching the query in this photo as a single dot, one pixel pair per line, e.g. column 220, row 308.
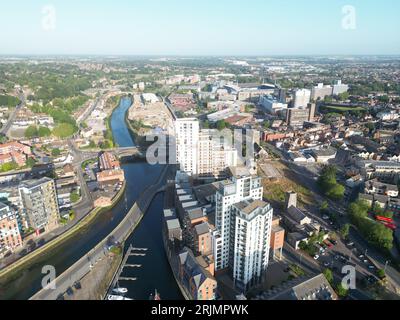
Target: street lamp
column 386, row 265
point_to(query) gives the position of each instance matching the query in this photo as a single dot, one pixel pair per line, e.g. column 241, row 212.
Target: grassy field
column 343, row 109
column 275, row 190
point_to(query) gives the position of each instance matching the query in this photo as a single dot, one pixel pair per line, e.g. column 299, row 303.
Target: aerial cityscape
column 253, row 174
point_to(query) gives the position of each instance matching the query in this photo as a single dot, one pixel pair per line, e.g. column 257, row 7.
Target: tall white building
column 301, row 98
column 202, row 152
column 242, row 186
column 272, row 105
column 187, row 140
column 251, row 227
column 40, row 204
column 339, row 88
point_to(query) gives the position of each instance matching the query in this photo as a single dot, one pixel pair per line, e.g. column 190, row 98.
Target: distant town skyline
column 223, row 28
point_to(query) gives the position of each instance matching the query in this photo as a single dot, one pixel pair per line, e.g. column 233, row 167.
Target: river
column 155, row 272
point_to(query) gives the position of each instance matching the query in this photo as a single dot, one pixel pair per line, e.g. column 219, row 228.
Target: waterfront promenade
column 84, row 265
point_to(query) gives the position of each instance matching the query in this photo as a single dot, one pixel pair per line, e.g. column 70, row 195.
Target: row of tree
column 374, row 232
column 63, row 130
column 329, row 185
column 9, row 101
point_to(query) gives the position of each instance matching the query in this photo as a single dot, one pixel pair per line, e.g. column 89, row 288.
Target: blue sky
column 206, row 27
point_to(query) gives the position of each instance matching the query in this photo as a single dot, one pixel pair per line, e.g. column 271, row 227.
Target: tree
column 341, row 291
column 92, row 144
column 336, row 192
column 44, row 132
column 64, row 130
column 324, row 209
column 344, row 96
column 381, row 274
column 30, row 162
column 345, row 231
column 8, row 167
column 328, row 275
column 72, row 215
column 221, row 125
column 206, row 124
column 106, row 144
column 328, row 183
column 74, row 197
column 375, row 233
column 31, row 132
column 55, row 152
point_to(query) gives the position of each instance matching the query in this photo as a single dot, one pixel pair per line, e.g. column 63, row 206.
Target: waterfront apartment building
column 250, row 243
column 197, row 281
column 215, row 153
column 202, row 153
column 39, row 204
column 187, row 140
column 301, row 98
column 10, row 236
column 242, row 186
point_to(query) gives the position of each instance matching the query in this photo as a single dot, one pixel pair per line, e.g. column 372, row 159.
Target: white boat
column 113, row 297
column 120, row 290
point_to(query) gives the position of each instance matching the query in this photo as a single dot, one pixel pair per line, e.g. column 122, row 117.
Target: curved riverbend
column 155, row 273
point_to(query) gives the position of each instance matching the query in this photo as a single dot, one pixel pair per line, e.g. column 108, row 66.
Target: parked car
column 316, row 257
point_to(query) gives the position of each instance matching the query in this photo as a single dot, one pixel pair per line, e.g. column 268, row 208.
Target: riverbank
column 147, row 235
column 139, row 139
column 124, row 229
column 95, row 284
column 9, row 272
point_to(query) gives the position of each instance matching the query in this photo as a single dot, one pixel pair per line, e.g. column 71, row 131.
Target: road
column 171, row 110
column 4, row 130
column 313, row 268
column 86, row 204
column 89, row 111
column 77, row 271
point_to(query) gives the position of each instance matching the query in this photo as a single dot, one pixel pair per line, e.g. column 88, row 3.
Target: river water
column 155, row 272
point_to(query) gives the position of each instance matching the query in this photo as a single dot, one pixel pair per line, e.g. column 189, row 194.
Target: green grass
column 344, row 109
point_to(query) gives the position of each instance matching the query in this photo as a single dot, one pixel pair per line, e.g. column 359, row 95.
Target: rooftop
column 250, row 206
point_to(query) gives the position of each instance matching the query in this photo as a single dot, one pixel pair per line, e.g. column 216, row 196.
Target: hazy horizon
column 207, row 28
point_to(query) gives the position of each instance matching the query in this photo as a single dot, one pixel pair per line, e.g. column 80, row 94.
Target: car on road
column 372, row 279
column 70, row 292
